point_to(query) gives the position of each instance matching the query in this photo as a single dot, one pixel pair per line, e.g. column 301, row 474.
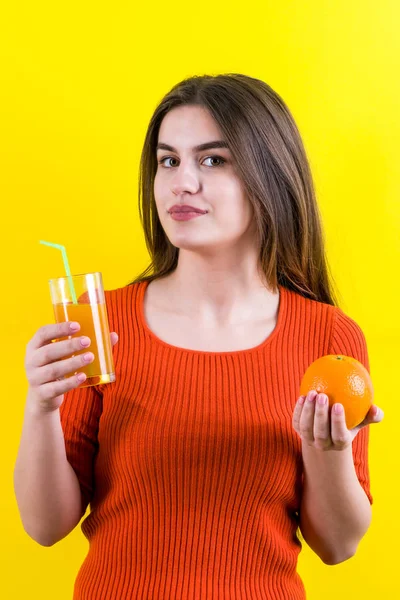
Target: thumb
column 374, row 415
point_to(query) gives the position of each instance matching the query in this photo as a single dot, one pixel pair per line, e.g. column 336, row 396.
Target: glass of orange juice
column 81, row 298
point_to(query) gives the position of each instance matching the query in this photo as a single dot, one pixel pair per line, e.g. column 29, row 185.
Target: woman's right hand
column 45, row 369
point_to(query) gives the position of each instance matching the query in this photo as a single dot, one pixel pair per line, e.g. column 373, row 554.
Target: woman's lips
column 185, row 216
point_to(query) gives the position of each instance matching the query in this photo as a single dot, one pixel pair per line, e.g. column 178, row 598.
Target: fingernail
column 311, row 397
column 338, row 409
column 74, row 326
column 301, row 400
column 322, row 399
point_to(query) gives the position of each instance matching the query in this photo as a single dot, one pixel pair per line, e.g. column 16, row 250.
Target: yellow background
column 79, row 82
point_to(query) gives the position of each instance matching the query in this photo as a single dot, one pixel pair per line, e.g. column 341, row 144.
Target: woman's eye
column 220, row 160
column 162, row 161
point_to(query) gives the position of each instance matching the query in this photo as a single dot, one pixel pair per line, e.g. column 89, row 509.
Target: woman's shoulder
column 330, row 318
column 309, row 307
column 337, row 330
column 122, row 302
column 128, row 290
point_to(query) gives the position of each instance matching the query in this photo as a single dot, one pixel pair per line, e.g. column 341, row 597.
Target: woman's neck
column 213, row 294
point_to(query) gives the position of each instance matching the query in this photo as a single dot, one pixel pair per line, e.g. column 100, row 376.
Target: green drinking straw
column 66, row 266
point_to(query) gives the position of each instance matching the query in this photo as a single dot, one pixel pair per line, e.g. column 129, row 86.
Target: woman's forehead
column 189, row 121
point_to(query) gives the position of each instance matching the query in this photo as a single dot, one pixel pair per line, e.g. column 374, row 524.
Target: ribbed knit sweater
column 189, row 460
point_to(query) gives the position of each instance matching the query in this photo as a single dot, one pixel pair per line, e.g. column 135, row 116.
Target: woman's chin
column 190, row 243
column 186, row 245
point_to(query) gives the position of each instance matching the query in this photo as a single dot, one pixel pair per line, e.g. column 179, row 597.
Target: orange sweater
column 190, row 462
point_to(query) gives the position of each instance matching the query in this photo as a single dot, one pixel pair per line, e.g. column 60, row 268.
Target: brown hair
column 271, row 161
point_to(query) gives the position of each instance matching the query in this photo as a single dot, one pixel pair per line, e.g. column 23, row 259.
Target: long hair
column 271, row 161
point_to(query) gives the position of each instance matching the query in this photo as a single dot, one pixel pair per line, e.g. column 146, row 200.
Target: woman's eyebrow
column 199, row 148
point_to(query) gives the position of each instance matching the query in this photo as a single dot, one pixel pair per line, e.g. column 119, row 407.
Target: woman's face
column 204, row 179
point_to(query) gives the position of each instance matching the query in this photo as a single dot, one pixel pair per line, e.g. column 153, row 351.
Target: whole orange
column 344, row 380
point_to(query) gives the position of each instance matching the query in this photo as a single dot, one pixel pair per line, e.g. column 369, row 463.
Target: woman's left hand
column 312, row 422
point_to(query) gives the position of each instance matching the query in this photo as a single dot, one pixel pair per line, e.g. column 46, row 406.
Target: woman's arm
column 46, row 486
column 335, row 511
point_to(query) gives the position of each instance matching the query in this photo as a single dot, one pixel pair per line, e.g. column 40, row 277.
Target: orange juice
column 94, row 323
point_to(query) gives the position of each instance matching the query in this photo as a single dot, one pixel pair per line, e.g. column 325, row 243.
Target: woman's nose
column 184, row 180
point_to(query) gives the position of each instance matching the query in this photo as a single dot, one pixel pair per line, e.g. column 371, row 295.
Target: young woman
column 200, row 463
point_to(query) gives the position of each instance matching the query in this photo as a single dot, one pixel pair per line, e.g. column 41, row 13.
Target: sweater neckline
column 281, row 317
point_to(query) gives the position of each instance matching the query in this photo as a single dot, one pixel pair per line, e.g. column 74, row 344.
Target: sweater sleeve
column 348, row 339
column 80, row 414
